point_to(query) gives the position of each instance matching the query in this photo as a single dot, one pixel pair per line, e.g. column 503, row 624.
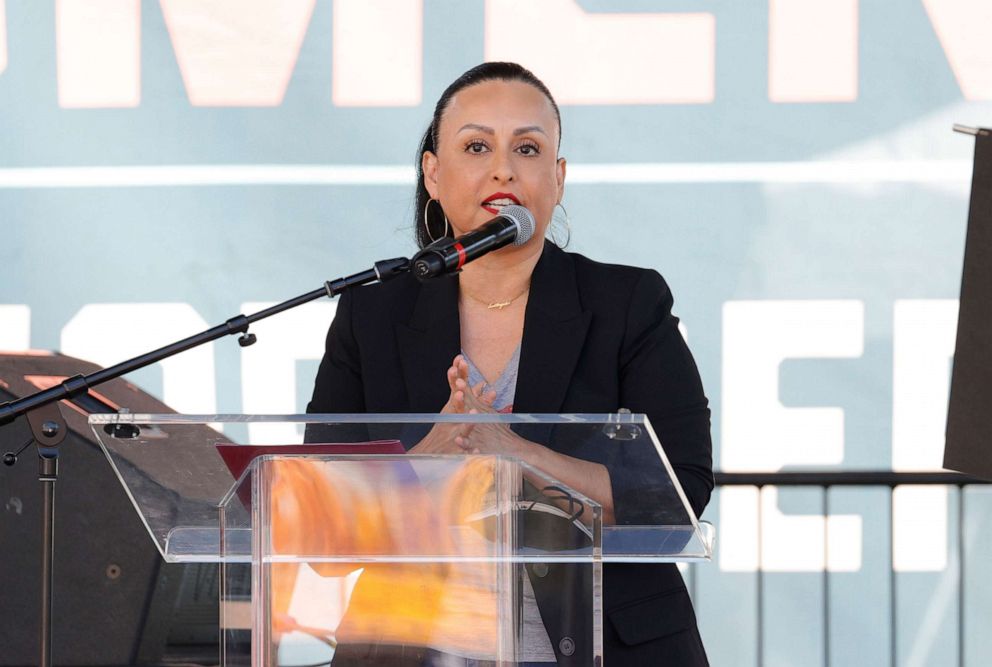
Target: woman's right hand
column 442, row 437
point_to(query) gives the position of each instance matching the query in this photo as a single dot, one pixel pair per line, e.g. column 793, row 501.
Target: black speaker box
column 116, row 602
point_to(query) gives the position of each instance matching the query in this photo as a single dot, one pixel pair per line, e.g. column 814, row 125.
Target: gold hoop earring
column 427, row 226
column 566, row 224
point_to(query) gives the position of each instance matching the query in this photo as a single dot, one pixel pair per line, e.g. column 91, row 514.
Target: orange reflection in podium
column 428, row 573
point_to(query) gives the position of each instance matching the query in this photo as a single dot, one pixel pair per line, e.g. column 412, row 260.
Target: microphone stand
column 48, row 426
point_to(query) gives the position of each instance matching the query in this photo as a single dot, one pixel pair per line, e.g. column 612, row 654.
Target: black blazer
column 597, row 338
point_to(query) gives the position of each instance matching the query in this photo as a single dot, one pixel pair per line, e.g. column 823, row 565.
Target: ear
column 560, row 176
column 429, row 164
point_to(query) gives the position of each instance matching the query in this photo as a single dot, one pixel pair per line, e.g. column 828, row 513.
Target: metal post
column 48, row 473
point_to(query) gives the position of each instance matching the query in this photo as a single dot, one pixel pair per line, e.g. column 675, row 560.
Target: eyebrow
column 489, row 130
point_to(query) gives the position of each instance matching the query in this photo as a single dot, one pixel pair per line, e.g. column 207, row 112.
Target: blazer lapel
column 428, row 343
column 555, row 328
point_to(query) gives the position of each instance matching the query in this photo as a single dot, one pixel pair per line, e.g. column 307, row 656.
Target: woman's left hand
column 492, row 439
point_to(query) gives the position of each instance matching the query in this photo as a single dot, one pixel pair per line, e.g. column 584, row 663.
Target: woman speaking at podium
column 528, row 329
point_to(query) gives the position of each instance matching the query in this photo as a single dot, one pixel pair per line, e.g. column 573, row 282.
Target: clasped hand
column 472, row 438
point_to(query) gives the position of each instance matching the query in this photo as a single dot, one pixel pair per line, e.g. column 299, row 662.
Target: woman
column 530, row 329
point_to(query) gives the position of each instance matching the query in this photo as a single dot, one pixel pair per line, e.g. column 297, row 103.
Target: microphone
column 514, row 224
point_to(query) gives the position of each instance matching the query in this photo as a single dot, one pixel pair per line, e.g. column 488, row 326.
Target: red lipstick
column 496, row 196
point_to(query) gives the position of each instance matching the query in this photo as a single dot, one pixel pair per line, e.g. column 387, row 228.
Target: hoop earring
column 427, row 226
column 566, row 224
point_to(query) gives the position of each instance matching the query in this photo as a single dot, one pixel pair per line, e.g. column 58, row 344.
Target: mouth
column 496, row 201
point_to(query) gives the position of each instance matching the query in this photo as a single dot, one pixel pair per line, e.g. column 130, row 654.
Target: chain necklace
column 495, row 305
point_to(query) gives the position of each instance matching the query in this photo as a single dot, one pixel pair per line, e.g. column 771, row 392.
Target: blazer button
column 566, row 646
column 540, row 569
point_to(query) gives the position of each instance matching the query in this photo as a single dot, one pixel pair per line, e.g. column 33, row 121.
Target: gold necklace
column 495, row 305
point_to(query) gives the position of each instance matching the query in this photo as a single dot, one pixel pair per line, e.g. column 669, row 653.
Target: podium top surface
column 207, row 486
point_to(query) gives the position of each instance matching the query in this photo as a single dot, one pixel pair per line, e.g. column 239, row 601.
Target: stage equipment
column 392, row 559
column 115, row 601
column 513, row 226
column 968, row 443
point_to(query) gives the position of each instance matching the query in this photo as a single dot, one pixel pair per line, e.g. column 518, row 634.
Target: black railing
column 852, row 478
column 827, row 481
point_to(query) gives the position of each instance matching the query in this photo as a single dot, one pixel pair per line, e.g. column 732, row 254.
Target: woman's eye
column 529, row 149
column 476, row 147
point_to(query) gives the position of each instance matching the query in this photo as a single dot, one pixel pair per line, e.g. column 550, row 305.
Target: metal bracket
column 973, row 131
column 47, row 425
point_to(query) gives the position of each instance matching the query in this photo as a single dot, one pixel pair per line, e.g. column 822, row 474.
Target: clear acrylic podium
column 335, row 544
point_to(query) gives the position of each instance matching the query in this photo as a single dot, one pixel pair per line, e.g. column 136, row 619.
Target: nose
column 503, row 168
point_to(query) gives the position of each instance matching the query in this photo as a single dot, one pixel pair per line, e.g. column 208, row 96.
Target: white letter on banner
column 760, row 434
column 268, row 372
column 813, row 50
column 109, row 333
column 237, row 52
column 964, row 28
column 922, row 346
column 789, row 543
column 608, row 58
column 378, row 52
column 98, row 47
column 15, row 328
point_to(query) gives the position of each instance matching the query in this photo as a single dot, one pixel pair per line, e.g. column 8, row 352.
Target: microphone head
column 523, row 219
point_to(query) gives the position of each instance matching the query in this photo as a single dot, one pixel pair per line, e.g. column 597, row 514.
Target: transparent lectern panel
column 339, row 538
column 418, row 559
column 178, row 469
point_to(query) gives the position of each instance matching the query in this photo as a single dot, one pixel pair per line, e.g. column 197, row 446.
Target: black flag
column 968, row 446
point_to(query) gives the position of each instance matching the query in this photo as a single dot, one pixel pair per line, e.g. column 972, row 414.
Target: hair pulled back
column 493, row 71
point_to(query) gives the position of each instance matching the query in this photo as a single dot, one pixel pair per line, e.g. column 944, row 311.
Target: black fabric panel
column 968, row 446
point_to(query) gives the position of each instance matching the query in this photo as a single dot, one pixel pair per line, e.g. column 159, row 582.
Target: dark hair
column 495, row 71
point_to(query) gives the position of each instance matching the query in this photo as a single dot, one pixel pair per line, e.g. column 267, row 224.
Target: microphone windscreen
column 524, row 220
